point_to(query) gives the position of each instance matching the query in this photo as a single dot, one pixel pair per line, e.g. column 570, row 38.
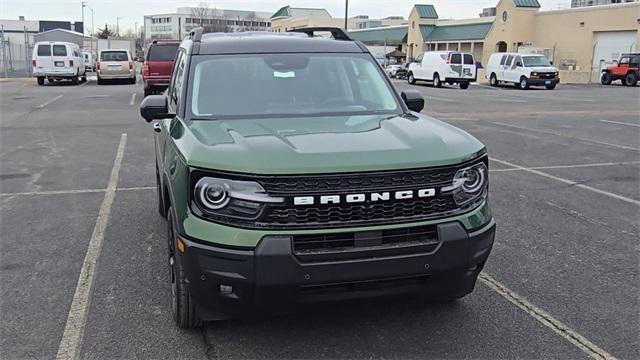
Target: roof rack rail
column 196, row 34
column 337, row 33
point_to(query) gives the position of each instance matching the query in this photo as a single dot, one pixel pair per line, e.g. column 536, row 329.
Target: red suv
column 627, row 70
column 156, row 70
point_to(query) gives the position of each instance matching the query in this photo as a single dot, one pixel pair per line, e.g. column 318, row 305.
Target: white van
column 89, row 61
column 440, row 67
column 57, row 60
column 523, row 70
column 115, row 64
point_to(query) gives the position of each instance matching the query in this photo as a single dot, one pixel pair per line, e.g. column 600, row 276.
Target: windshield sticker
column 284, row 75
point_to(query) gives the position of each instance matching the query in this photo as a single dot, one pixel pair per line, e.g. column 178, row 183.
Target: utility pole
column 5, row 58
column 84, row 3
column 93, row 30
column 118, row 26
column 346, row 14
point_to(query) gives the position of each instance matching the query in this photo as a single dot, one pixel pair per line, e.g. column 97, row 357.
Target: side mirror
column 154, row 107
column 518, row 64
column 413, row 99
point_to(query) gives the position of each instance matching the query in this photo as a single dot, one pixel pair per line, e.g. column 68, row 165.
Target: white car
column 89, row 61
column 523, row 70
column 115, row 64
column 392, row 69
column 57, row 60
column 438, row 67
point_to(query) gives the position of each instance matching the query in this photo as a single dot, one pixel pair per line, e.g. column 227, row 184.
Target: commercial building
column 578, row 40
column 177, row 25
column 287, row 18
column 17, row 39
column 583, row 3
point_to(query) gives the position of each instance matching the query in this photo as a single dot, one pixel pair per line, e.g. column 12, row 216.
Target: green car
column 291, row 172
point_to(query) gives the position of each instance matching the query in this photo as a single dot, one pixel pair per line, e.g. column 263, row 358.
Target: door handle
column 157, row 127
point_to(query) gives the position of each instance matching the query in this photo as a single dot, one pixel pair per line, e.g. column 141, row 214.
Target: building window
column 505, row 16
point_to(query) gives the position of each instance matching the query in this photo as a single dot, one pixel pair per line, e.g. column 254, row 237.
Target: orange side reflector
column 180, row 246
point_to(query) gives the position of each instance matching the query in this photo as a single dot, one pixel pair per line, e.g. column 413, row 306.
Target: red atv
column 627, row 70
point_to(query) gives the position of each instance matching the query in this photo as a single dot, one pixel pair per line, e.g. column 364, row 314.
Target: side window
column 517, row 61
column 44, row 50
column 635, row 61
column 468, row 59
column 59, row 50
column 456, row 58
column 419, row 58
column 177, row 79
column 624, row 60
column 509, row 60
column 503, row 60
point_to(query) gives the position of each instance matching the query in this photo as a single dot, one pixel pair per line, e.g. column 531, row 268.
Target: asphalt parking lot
column 562, row 281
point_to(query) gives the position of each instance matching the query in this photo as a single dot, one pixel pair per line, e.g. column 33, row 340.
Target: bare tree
column 208, row 18
column 251, row 22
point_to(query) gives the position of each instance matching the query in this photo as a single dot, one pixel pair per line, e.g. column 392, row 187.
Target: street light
column 118, row 26
column 346, row 14
column 84, row 3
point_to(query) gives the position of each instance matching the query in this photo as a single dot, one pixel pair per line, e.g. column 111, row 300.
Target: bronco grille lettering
column 361, row 197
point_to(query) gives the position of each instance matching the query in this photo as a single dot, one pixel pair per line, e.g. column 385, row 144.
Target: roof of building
column 426, row 11
column 270, row 43
column 526, row 3
column 388, row 34
column 425, row 30
column 63, row 30
column 461, row 32
column 288, row 11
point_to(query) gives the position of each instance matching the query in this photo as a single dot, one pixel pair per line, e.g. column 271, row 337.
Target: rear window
column 114, row 56
column 162, row 52
column 456, row 58
column 59, row 50
column 44, row 50
column 468, row 59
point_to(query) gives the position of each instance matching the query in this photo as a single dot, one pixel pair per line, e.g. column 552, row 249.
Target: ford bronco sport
column 627, row 70
column 291, row 171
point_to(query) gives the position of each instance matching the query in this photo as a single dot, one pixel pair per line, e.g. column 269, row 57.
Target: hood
column 544, row 69
column 324, row 144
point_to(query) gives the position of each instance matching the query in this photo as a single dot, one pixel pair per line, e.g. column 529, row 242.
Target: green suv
column 290, row 171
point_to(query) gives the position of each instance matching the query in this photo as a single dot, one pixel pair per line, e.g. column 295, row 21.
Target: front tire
column 410, row 79
column 464, row 85
column 523, row 84
column 550, row 87
column 40, row 80
column 436, row 81
column 184, row 311
column 493, row 80
column 606, row 78
column 631, row 79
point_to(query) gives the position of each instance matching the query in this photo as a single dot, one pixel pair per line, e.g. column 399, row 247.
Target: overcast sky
column 131, row 11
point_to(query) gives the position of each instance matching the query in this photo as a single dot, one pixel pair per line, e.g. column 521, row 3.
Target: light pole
column 118, row 26
column 84, row 3
column 346, row 14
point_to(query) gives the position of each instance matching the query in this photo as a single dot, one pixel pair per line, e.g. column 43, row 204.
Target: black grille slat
column 342, row 246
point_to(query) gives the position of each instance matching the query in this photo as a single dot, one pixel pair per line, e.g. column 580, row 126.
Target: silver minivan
column 115, row 64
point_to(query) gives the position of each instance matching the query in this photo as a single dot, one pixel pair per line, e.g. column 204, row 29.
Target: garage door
column 610, row 44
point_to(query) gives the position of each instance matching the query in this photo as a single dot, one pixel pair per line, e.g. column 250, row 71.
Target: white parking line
column 619, row 123
column 49, row 102
column 569, row 182
column 76, row 320
column 568, row 166
column 72, row 192
column 85, row 83
column 133, row 98
column 625, row 147
column 545, row 318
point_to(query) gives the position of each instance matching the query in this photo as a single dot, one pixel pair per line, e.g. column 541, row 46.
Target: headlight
column 231, row 198
column 534, row 74
column 469, row 184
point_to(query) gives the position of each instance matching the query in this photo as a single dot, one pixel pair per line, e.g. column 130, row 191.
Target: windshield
column 162, row 52
column 530, row 61
column 114, row 56
column 276, row 85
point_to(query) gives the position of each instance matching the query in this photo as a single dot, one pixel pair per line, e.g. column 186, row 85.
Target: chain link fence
column 15, row 57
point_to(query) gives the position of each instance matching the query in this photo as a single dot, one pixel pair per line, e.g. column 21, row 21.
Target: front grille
column 316, row 215
column 354, row 245
column 546, row 75
column 365, row 212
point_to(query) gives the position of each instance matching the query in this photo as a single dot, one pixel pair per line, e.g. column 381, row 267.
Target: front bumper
column 460, row 79
column 272, row 277
column 544, row 82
